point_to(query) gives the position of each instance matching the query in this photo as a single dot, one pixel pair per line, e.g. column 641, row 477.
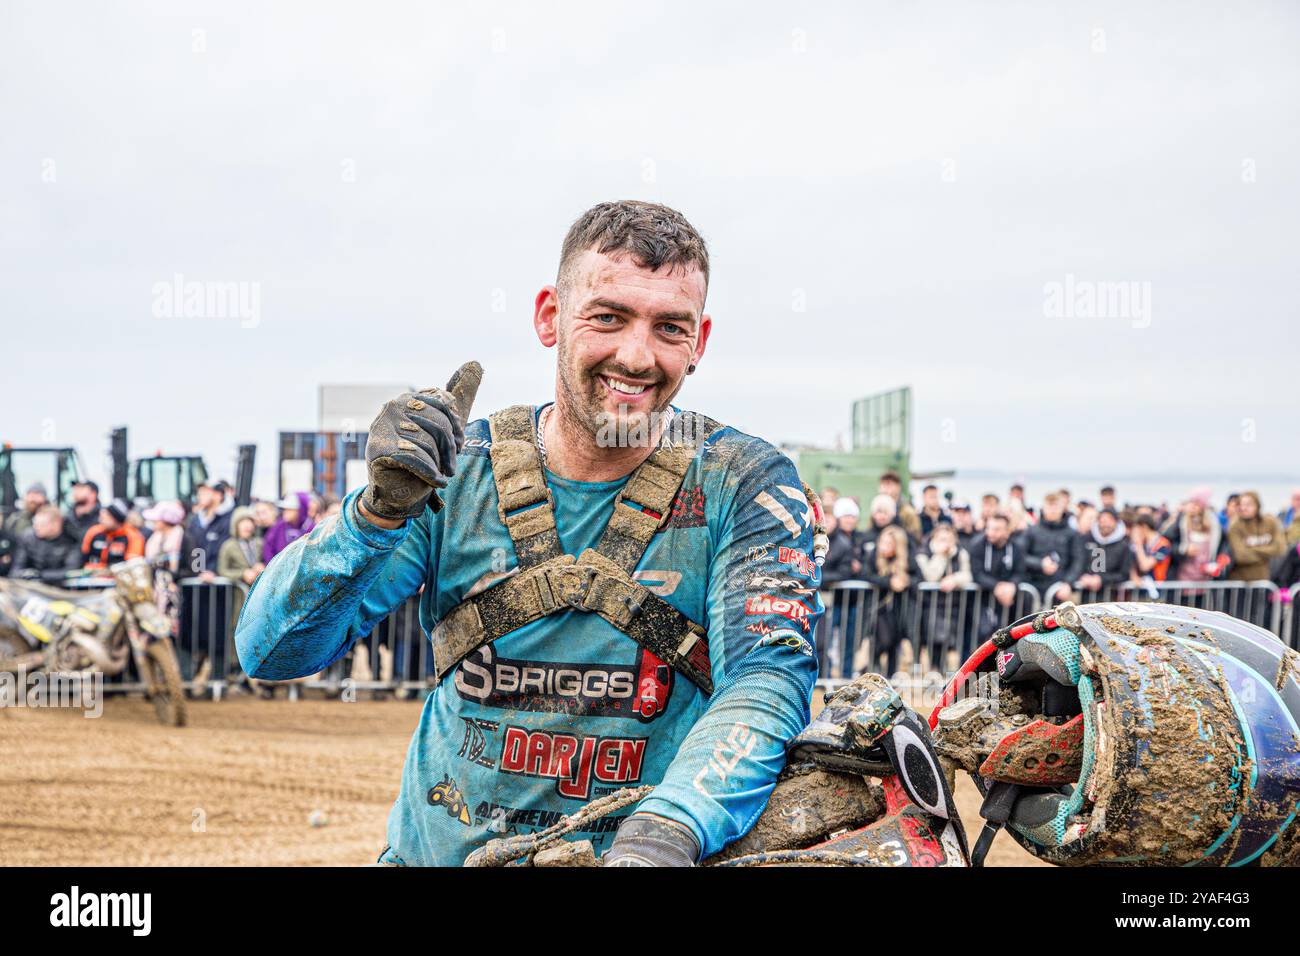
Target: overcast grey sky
column 887, row 194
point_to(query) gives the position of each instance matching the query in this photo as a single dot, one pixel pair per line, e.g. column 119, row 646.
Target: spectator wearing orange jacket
column 1152, row 552
column 112, row 540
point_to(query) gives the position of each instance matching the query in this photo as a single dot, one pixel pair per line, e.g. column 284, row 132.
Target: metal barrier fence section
column 919, row 634
column 1259, row 602
column 869, row 629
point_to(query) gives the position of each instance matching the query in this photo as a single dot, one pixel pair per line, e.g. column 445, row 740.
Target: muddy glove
column 412, row 446
column 647, row 840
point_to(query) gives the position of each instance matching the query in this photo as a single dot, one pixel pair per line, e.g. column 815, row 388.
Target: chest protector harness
column 598, row 581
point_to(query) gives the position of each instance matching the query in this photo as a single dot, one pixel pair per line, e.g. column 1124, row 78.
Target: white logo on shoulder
column 782, row 514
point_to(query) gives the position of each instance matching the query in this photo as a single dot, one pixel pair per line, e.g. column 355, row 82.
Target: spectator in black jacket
column 7, row 548
column 46, row 550
column 210, row 523
column 1053, row 552
column 84, row 512
column 1288, row 570
column 844, row 558
column 836, row 644
column 997, row 563
column 932, row 513
column 963, row 522
column 1107, row 554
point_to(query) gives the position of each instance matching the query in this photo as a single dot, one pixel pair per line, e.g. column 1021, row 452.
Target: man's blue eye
column 601, row 318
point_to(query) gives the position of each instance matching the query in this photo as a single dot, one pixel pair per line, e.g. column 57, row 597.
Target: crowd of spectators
column 210, row 539
column 1061, row 548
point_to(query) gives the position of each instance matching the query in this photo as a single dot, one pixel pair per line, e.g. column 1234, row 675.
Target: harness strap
column 645, row 501
column 526, row 505
column 600, row 580
column 590, row 584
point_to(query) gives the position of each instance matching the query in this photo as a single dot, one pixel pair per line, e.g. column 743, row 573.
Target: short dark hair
column 929, row 488
column 891, row 476
column 1107, row 489
column 652, row 234
column 91, row 485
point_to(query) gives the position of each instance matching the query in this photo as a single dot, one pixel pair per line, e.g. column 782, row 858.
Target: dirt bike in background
column 58, row 630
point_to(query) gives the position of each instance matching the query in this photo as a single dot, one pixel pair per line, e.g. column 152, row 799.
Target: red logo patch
column 688, row 508
column 572, row 761
column 768, row 604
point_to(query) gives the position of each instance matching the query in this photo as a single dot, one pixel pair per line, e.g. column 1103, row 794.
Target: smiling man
column 618, row 592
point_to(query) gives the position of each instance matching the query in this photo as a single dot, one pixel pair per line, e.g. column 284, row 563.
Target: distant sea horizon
column 1131, row 489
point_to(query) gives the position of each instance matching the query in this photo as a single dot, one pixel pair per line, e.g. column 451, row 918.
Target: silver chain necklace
column 541, row 427
column 545, row 416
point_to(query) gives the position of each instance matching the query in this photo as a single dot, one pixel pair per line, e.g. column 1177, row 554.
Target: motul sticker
column 769, row 604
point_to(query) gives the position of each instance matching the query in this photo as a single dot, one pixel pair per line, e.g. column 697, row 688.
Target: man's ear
column 706, row 326
column 546, row 316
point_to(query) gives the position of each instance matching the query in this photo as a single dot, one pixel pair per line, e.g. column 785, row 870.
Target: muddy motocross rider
column 618, row 592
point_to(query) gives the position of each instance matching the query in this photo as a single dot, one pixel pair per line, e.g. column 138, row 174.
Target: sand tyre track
column 16, row 656
column 164, row 682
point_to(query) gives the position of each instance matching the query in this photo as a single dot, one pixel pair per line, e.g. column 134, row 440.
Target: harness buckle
column 633, row 604
column 577, row 599
column 565, row 585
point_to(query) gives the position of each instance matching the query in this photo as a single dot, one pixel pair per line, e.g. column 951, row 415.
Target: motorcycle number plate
column 35, row 609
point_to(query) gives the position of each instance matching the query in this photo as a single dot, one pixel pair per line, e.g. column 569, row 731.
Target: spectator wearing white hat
column 884, row 512
column 843, row 563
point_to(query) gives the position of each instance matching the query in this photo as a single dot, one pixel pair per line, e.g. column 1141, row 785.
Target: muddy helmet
column 1138, row 734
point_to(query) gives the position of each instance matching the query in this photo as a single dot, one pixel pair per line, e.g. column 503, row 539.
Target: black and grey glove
column 412, row 446
column 648, row 840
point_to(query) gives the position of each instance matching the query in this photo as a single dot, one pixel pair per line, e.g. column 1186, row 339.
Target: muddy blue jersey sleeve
column 762, row 607
column 328, row 589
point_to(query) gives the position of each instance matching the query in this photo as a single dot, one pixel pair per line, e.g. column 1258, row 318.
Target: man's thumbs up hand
column 412, row 447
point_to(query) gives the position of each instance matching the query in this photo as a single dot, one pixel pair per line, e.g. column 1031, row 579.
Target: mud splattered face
column 626, row 337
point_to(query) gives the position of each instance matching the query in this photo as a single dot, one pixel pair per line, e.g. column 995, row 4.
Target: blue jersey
column 567, row 708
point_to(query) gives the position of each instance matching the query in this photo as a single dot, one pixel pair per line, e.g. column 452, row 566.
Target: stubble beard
column 583, row 407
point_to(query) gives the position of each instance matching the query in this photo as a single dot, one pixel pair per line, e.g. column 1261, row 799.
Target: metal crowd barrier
column 394, row 656
column 940, row 629
column 865, row 628
column 1259, row 602
column 921, row 633
column 205, row 642
column 205, row 645
column 1290, row 632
